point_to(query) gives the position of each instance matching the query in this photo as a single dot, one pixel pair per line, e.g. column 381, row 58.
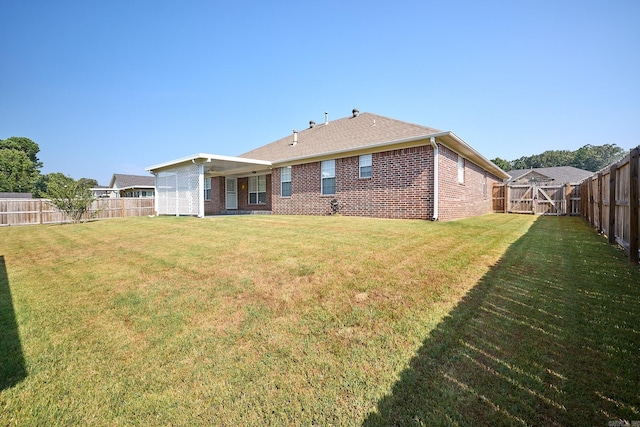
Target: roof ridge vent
column 312, row 124
column 355, row 112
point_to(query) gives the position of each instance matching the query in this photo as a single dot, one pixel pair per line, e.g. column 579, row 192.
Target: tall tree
column 27, row 146
column 17, row 172
column 503, row 164
column 19, row 164
column 593, row 158
column 589, row 157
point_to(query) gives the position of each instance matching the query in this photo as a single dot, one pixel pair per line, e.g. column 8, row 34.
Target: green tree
column 74, row 198
column 27, row 146
column 42, row 184
column 503, row 164
column 17, row 172
column 593, row 158
column 19, row 164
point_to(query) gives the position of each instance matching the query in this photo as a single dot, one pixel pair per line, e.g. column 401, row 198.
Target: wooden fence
column 610, row 203
column 539, row 199
column 42, row 211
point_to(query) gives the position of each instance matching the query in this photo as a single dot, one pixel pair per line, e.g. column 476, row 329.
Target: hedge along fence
column 610, row 203
column 42, row 211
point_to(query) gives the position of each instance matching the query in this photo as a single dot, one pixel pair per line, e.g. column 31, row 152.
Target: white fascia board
column 204, row 157
column 469, row 152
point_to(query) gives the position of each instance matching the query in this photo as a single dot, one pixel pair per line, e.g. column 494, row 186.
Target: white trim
column 226, row 193
column 322, row 178
column 360, row 166
column 207, row 158
column 200, row 191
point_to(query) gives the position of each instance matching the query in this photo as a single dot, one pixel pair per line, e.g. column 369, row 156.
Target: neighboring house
column 361, row 165
column 130, row 186
column 556, row 175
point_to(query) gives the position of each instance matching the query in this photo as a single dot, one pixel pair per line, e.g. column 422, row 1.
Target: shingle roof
column 349, row 133
column 559, row 174
column 129, row 181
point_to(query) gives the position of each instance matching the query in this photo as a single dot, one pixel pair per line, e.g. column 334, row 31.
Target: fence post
column 599, row 190
column 634, row 190
column 612, row 202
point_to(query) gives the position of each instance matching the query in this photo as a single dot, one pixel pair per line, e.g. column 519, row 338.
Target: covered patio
column 204, row 183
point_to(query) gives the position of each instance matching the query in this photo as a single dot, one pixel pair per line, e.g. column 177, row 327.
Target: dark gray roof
column 558, row 174
column 131, row 181
column 16, row 196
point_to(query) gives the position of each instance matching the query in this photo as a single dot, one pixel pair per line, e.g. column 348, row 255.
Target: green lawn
column 295, row 320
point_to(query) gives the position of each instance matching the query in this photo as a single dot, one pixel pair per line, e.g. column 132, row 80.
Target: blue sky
column 115, row 86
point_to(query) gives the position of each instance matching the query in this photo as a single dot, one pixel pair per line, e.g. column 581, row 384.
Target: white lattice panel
column 177, row 191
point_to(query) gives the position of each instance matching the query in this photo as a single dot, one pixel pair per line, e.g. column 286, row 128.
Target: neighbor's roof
column 559, row 174
column 132, row 181
column 364, row 132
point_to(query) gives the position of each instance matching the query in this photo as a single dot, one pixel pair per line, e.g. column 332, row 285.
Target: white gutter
column 435, row 178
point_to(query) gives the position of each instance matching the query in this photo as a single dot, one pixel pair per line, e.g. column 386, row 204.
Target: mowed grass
column 293, row 320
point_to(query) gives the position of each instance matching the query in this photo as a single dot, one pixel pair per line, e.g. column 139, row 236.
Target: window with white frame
column 460, row 170
column 285, row 181
column 207, row 188
column 257, row 190
column 328, row 177
column 365, row 166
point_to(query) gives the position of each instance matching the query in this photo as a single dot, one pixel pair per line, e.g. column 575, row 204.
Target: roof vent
column 355, row 112
column 312, row 124
column 326, row 118
column 295, row 137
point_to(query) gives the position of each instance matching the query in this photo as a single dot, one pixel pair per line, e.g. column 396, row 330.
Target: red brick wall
column 216, row 204
column 462, row 200
column 243, row 196
column 399, row 187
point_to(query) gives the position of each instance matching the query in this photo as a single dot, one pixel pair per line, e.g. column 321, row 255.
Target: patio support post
column 200, row 190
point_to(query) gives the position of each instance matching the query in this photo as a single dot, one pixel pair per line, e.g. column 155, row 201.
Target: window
column 285, row 181
column 257, row 189
column 365, row 166
column 460, row 170
column 329, row 177
column 207, row 188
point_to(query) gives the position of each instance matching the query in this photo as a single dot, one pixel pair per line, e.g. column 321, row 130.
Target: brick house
column 360, row 165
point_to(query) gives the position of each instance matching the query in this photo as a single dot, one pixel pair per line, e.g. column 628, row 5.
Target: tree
column 589, row 157
column 19, row 164
column 74, row 198
column 27, row 146
column 17, row 172
column 503, row 164
column 593, row 158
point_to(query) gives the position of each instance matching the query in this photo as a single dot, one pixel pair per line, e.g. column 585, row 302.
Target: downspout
column 435, row 178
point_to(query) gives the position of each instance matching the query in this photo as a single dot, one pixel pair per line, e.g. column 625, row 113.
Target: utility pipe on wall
column 435, row 178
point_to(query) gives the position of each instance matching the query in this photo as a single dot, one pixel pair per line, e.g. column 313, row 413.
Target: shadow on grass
column 549, row 336
column 12, row 368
